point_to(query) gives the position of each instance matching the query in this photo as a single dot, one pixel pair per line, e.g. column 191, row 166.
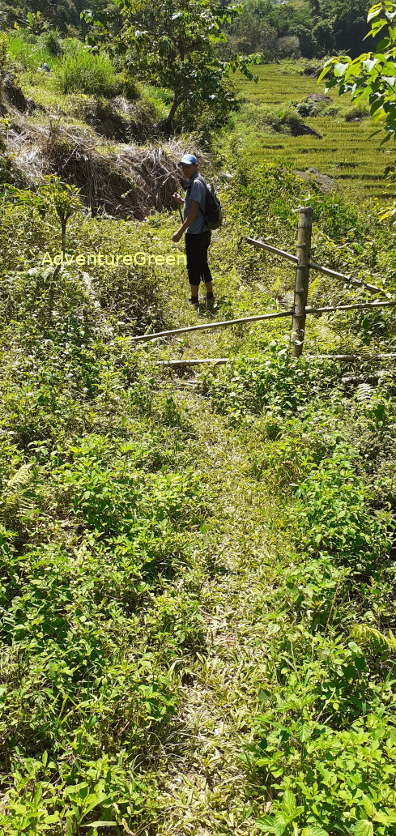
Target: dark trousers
column 197, row 257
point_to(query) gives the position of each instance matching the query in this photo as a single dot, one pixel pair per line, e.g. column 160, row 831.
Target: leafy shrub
column 330, row 782
column 335, row 518
column 87, row 665
column 279, row 382
column 52, row 42
column 50, row 303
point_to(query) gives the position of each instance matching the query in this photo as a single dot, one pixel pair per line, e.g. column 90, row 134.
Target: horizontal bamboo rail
column 336, row 275
column 218, row 360
column 328, row 308
column 223, row 360
column 351, row 356
column 271, row 249
column 209, row 325
column 224, row 323
column 313, row 266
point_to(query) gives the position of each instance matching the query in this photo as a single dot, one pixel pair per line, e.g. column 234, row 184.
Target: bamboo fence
column 300, row 308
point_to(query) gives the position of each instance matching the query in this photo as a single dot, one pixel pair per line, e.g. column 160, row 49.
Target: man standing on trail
column 198, row 234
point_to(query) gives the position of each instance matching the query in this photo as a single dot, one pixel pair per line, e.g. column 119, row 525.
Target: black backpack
column 213, row 213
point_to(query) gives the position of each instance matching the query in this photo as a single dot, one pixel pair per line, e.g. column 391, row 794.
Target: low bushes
column 325, row 738
column 94, row 634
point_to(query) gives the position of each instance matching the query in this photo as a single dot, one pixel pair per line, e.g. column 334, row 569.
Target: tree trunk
column 170, row 117
column 63, row 240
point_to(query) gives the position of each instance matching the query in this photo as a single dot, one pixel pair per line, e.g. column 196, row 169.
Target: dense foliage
column 310, row 29
column 65, row 15
column 173, row 44
column 325, row 737
column 196, row 574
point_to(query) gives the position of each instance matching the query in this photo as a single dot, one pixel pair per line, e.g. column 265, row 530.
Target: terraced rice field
column 346, row 152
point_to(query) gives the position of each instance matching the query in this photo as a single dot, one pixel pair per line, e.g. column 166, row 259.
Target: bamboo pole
column 209, row 325
column 258, row 318
column 304, row 235
column 272, row 249
column 336, row 275
column 223, row 360
column 326, row 270
column 217, row 360
column 351, row 356
column 356, row 305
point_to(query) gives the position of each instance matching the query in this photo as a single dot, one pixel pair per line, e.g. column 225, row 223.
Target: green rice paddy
column 347, row 151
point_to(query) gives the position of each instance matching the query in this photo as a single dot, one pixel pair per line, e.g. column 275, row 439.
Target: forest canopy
column 274, row 29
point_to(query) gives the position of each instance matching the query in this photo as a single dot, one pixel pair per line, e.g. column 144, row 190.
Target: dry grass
column 123, row 180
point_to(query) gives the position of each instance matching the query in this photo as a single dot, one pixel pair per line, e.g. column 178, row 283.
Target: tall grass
column 29, row 52
column 81, row 71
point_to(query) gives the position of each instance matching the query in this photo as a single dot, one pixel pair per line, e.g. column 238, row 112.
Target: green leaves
column 279, row 823
column 371, row 76
column 53, row 194
column 363, row 828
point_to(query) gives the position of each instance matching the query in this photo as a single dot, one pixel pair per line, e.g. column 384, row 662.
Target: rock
column 322, row 182
column 318, row 97
column 14, row 94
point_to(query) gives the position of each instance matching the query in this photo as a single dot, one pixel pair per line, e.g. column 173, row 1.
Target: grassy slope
column 347, row 151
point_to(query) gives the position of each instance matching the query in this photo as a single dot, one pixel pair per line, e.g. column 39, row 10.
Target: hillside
column 343, row 148
column 197, row 562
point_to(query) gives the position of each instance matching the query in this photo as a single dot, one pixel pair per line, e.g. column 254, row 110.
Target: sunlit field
column 347, row 151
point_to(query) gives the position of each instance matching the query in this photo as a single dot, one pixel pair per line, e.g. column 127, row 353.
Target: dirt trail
column 204, row 788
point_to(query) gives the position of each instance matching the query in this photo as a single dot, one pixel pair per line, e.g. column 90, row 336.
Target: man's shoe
column 210, row 300
column 194, row 301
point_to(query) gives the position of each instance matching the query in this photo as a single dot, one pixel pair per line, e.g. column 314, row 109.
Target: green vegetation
column 370, row 78
column 84, row 72
column 174, row 45
column 197, row 567
column 37, row 16
column 124, row 542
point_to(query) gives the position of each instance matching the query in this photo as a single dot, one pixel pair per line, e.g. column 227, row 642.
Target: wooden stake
column 304, row 235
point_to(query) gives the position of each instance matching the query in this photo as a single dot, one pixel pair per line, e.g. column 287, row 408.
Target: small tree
column 172, row 43
column 63, row 198
column 53, row 194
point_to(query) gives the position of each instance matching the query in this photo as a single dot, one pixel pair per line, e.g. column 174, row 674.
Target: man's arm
column 192, row 215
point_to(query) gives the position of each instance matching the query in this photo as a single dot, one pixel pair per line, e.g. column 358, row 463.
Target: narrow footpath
column 204, row 785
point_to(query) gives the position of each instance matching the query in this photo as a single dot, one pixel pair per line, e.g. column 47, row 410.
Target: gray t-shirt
column 196, row 190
